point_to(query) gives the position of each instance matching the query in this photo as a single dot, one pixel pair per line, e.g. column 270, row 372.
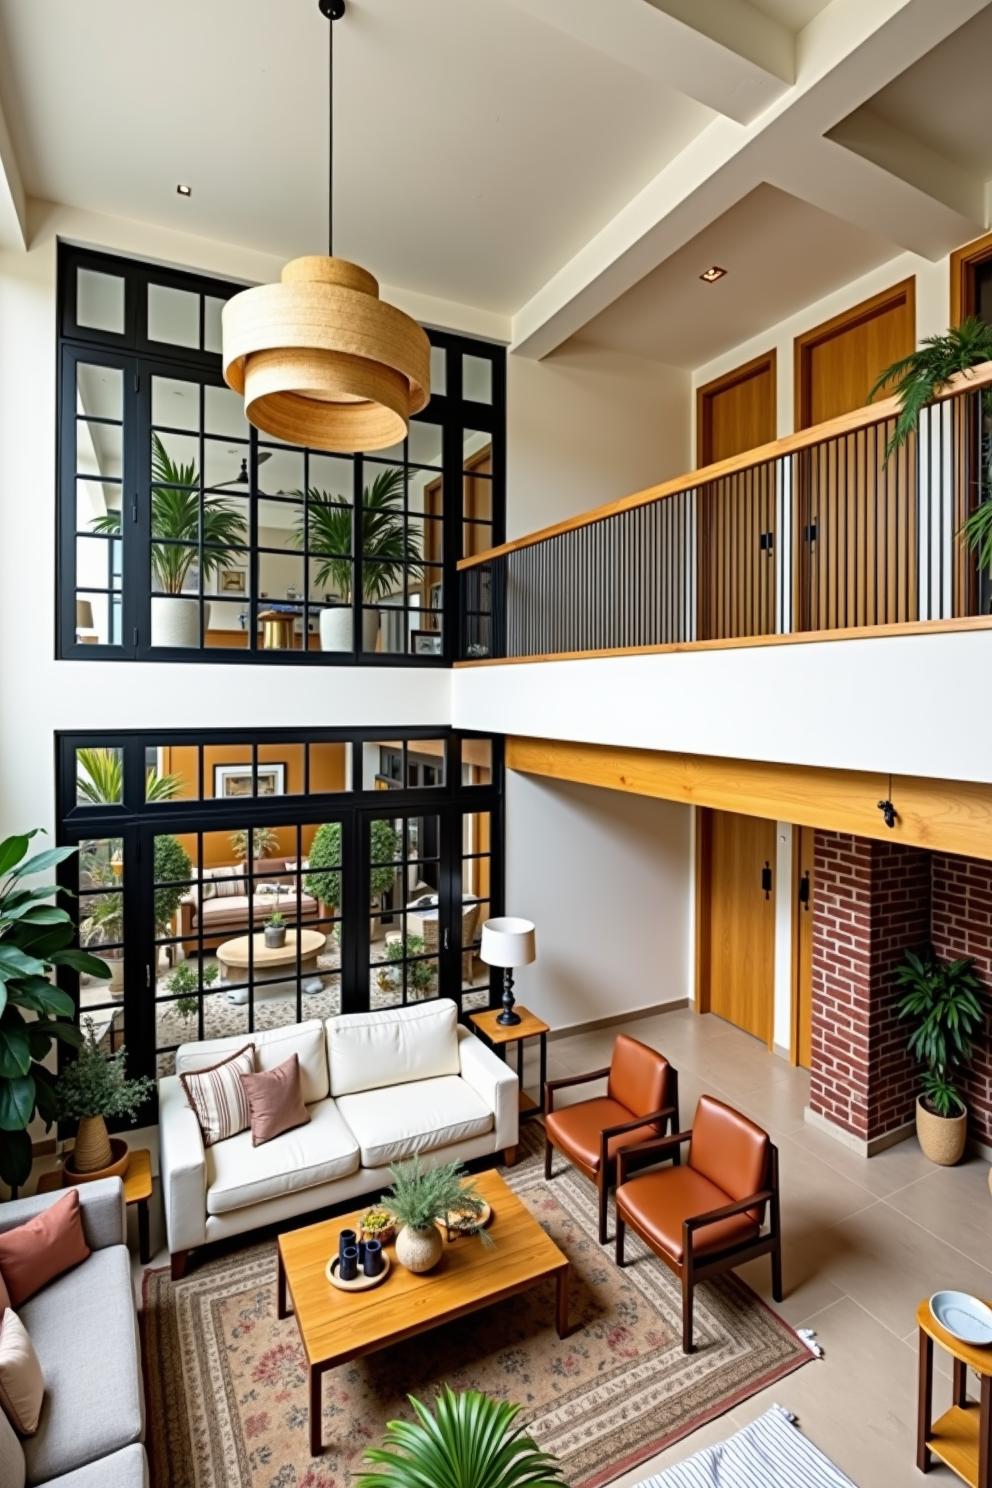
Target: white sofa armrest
column 101, row 1206
column 493, row 1080
column 183, row 1168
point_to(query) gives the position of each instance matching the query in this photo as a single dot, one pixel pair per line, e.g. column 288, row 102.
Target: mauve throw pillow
column 274, row 1101
column 22, row 1384
column 35, row 1253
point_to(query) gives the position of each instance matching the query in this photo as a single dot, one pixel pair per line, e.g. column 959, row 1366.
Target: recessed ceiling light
column 711, row 275
column 183, row 190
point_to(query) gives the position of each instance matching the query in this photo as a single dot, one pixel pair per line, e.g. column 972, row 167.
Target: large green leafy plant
column 388, row 545
column 177, row 514
column 97, row 1084
column 942, row 999
column 323, row 880
column 35, row 936
column 468, row 1441
column 917, row 378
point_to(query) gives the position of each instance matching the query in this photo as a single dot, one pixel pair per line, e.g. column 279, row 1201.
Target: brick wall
column 962, row 926
column 873, row 902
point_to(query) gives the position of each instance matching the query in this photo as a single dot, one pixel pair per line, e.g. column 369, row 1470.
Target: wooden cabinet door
column 737, row 921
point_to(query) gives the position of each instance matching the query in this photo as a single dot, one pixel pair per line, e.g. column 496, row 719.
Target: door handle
column 766, row 880
column 804, row 891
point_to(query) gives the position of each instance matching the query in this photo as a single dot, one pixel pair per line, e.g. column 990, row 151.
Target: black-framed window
column 185, row 535
column 191, row 842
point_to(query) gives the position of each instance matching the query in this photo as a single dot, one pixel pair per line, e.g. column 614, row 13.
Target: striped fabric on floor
column 770, row 1453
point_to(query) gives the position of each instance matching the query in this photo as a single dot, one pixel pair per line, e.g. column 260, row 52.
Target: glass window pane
column 99, row 391
column 212, row 308
column 281, row 472
column 330, row 768
column 424, row 443
column 224, row 413
column 173, row 315
column 477, row 761
column 477, row 379
column 225, row 467
column 100, row 778
column 98, row 618
column 439, row 369
column 99, row 449
column 96, row 564
column 100, row 301
column 176, row 403
column 172, row 773
column 425, row 763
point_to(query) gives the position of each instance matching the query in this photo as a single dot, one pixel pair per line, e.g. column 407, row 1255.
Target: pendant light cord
column 330, row 138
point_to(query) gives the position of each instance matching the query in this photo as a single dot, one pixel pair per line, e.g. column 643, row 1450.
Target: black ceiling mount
column 332, row 9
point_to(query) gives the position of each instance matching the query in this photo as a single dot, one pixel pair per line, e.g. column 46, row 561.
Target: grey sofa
column 84, row 1328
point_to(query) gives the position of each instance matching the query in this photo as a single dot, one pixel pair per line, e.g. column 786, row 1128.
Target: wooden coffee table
column 337, row 1326
column 233, row 954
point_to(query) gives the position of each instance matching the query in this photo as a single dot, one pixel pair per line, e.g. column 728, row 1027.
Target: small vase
column 92, row 1150
column 419, row 1250
column 275, row 936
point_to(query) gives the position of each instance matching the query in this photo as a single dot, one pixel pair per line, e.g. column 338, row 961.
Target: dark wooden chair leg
column 178, row 1262
column 777, row 1291
column 621, row 1230
column 687, row 1289
column 547, row 1156
column 604, row 1195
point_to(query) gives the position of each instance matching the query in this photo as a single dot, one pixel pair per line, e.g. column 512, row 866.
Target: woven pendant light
column 318, row 357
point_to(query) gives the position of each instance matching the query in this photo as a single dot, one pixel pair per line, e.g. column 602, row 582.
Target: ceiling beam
column 13, row 200
column 723, row 53
column 853, row 49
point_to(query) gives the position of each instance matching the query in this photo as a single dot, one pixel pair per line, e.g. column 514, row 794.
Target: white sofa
column 380, row 1087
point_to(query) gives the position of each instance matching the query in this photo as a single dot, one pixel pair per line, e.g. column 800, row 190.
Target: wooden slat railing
column 820, row 531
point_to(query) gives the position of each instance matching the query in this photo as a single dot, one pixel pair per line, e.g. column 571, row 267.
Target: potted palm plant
column 179, row 520
column 388, row 548
column 420, row 1199
column 90, row 1090
column 915, row 380
column 264, row 841
column 942, row 999
column 469, row 1440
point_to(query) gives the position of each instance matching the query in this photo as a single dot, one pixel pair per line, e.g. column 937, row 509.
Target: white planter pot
column 419, row 1250
column 176, row 621
column 336, row 629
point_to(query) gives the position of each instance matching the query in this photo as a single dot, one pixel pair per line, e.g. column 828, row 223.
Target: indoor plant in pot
column 389, row 549
column 92, row 1088
column 323, row 880
column 275, row 928
column 419, row 1199
column 469, row 1440
column 178, row 517
column 36, row 935
column 942, row 998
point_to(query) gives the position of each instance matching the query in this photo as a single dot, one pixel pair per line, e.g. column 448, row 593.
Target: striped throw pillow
column 218, row 1097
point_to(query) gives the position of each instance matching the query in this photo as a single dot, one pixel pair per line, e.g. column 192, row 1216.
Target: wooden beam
column 943, row 815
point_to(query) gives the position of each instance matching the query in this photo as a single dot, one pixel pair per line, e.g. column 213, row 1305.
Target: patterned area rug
column 227, row 1383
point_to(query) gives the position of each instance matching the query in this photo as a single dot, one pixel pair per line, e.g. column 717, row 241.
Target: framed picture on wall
column 234, row 781
column 232, row 581
column 426, row 642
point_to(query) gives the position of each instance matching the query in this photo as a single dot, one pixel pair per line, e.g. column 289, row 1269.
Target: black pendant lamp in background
column 320, row 359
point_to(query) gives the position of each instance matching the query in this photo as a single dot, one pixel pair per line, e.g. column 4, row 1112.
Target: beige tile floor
column 864, row 1240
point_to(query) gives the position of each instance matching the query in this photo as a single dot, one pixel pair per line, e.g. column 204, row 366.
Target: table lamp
column 508, row 942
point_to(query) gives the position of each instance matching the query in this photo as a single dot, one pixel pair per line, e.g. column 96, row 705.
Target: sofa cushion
column 239, row 1174
column 11, row 1456
column 22, row 1386
column 368, row 1051
column 272, row 1046
column 274, row 1101
column 419, row 1117
column 84, row 1331
column 217, row 1096
column 43, row 1247
column 127, row 1468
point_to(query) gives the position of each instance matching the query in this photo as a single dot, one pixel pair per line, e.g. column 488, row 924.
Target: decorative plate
column 964, row 1317
column 465, row 1224
column 361, row 1283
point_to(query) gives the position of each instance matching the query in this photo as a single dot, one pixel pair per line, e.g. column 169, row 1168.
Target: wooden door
column 805, row 886
column 737, row 920
column 737, row 515
column 856, row 534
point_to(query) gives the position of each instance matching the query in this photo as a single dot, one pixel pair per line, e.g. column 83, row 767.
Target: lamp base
column 508, row 1018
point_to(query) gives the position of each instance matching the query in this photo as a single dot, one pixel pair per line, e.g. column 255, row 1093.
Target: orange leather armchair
column 706, row 1215
column 641, row 1101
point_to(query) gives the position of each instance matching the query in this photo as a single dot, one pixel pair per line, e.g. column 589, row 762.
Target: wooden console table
column 962, row 1436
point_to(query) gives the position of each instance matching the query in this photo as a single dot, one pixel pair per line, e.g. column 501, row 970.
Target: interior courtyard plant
column 100, row 779
column 184, row 985
column 36, row 935
column 264, row 842
column 323, row 880
column 422, row 1196
column 92, row 1089
column 942, row 998
column 468, row 1440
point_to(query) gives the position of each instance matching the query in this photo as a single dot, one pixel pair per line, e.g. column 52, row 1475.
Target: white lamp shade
column 508, row 942
column 84, row 614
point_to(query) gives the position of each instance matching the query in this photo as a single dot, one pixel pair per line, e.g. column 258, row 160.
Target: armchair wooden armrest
column 658, row 1150
column 726, row 1211
column 550, row 1086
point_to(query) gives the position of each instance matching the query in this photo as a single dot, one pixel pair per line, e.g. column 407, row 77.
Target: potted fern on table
column 420, row 1199
column 942, row 999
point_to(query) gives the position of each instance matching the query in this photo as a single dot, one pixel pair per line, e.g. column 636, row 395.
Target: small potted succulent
column 378, row 1224
column 275, row 928
column 469, row 1439
column 420, row 1199
column 90, row 1090
column 942, row 998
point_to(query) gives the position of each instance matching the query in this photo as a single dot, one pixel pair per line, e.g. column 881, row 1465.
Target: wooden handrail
column 789, row 444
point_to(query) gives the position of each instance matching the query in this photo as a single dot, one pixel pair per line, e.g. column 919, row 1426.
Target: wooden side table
column 962, row 1436
column 498, row 1035
column 137, row 1190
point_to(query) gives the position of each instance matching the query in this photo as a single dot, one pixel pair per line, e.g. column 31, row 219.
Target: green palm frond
column 176, row 518
column 102, row 780
column 916, row 378
column 387, row 543
column 467, row 1441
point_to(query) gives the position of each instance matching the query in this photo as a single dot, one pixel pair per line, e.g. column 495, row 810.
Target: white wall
column 607, row 881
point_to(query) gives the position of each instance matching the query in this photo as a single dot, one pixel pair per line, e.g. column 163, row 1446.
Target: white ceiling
column 476, row 148
column 779, row 252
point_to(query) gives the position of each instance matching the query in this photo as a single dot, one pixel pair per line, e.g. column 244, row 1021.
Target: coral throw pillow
column 218, row 1098
column 22, row 1384
column 275, row 1101
column 35, row 1253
